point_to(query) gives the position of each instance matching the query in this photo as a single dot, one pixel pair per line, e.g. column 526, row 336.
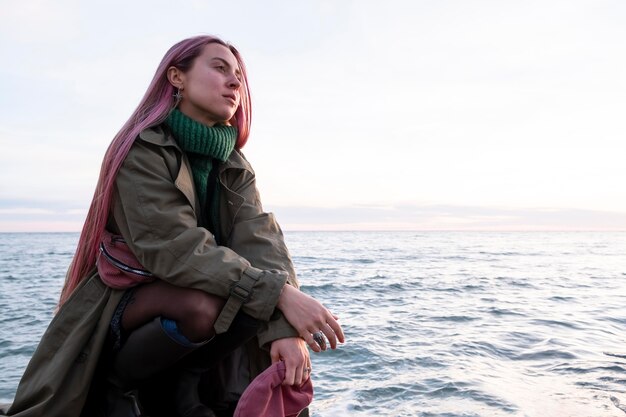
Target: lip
column 231, row 97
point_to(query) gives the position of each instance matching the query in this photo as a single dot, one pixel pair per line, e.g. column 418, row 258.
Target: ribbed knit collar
column 194, row 137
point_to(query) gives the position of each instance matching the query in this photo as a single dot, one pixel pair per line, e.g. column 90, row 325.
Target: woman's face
column 211, row 87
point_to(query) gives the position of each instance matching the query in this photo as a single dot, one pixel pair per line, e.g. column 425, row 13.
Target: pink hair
column 152, row 110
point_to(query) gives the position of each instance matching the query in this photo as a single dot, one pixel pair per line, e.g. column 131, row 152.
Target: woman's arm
column 256, row 235
column 159, row 224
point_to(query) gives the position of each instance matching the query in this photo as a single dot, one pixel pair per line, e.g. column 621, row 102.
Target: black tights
column 194, row 311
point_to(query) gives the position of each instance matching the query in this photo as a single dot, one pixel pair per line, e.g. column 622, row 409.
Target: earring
column 178, row 95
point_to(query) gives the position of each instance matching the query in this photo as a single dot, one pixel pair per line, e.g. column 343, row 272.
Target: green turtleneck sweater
column 205, row 146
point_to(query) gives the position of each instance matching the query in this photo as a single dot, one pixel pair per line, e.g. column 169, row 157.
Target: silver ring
column 319, row 339
column 307, row 369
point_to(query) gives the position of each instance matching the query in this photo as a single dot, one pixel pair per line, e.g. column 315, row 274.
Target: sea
column 436, row 323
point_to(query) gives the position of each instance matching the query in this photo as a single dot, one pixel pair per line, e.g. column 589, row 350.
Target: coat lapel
column 184, row 182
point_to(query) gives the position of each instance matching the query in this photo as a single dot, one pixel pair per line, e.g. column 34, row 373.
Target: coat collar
column 161, row 136
column 157, row 135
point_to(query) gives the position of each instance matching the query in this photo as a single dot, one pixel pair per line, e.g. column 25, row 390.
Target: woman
column 175, row 186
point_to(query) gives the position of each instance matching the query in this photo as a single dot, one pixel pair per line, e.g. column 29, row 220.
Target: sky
column 367, row 115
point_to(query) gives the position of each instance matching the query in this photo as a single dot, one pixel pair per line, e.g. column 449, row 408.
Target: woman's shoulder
column 157, row 135
column 154, row 147
column 237, row 160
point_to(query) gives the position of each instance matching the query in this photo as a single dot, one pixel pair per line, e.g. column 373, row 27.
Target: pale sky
column 494, row 115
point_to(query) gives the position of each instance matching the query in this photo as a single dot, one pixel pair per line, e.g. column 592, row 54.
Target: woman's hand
column 293, row 352
column 309, row 316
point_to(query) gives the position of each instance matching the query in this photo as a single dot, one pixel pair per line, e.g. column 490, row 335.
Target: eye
column 221, row 68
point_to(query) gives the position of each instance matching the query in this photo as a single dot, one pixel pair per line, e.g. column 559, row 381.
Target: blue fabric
column 172, row 330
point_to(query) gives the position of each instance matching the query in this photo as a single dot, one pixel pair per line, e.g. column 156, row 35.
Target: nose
column 234, row 82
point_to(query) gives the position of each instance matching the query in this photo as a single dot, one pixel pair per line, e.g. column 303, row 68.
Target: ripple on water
column 544, row 354
column 483, row 349
column 555, row 323
column 564, row 299
column 455, row 318
column 496, row 311
column 476, row 395
column 615, row 355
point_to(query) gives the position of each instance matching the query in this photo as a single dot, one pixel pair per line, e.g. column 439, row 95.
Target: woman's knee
column 198, row 314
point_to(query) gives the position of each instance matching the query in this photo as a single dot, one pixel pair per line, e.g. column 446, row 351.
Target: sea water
column 437, row 323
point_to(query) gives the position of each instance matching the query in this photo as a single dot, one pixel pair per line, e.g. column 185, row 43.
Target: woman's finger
column 307, row 367
column 336, row 328
column 330, row 335
column 320, row 340
column 306, row 372
column 290, row 374
column 294, row 369
column 308, row 338
column 298, row 376
column 274, row 355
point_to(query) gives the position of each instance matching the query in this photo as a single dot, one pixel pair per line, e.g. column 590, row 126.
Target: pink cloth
column 267, row 397
column 113, row 250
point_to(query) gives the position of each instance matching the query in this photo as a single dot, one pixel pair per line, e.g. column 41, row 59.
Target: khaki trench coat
column 155, row 207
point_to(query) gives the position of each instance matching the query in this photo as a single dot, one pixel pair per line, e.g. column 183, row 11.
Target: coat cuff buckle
column 240, row 294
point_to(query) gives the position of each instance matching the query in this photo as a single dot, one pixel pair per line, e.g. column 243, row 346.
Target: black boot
column 186, row 395
column 121, row 402
column 147, row 351
column 187, row 398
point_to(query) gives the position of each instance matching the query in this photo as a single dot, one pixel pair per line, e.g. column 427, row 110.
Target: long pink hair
column 153, row 109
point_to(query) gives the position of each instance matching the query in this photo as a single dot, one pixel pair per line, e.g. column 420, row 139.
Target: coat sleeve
column 256, row 236
column 160, row 226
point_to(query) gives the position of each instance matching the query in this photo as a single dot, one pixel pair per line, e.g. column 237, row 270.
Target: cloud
column 19, row 215
column 67, row 216
column 25, row 211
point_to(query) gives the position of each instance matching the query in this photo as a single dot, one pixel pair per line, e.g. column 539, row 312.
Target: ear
column 176, row 77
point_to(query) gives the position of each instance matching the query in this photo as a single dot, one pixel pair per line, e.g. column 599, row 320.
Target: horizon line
column 390, row 230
